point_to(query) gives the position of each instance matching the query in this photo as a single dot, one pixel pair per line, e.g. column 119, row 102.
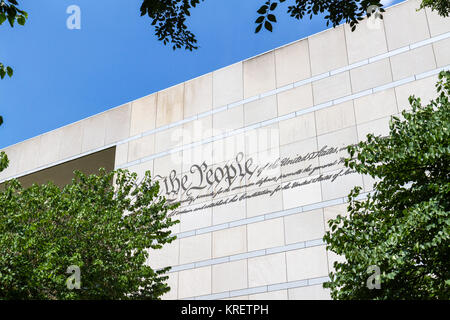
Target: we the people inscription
column 254, row 211
column 205, row 181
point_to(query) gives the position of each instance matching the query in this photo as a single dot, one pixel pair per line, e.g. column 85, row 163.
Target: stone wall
column 253, row 151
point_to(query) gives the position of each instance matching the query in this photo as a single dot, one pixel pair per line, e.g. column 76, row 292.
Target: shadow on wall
column 62, row 174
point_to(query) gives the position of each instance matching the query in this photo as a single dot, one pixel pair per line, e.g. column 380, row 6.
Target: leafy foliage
column 3, row 161
column 169, row 16
column 11, row 13
column 441, row 6
column 3, row 158
column 104, row 229
column 403, row 227
column 5, row 70
column 337, row 11
column 169, row 19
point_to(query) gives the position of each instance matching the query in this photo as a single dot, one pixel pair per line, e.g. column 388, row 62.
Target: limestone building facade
column 253, row 151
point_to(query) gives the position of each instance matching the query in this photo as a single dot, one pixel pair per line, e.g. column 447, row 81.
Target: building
column 253, row 151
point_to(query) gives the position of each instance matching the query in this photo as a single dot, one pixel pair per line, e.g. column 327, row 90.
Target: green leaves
column 403, row 227
column 259, row 19
column 2, row 17
column 4, row 70
column 4, row 162
column 11, row 13
column 169, row 21
column 9, row 70
column 21, row 20
column 441, row 6
column 104, row 229
column 263, row 9
column 168, row 17
column 266, row 17
column 271, row 17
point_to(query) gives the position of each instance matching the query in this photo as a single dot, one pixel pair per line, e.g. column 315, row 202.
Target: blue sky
column 62, row 75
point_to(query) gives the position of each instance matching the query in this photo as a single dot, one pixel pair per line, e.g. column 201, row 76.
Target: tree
column 3, row 158
column 9, row 11
column 337, row 11
column 403, row 227
column 169, row 16
column 441, row 6
column 4, row 161
column 91, row 224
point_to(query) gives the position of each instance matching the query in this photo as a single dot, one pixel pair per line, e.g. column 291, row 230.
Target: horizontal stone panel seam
column 248, row 255
column 268, row 216
column 262, row 289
